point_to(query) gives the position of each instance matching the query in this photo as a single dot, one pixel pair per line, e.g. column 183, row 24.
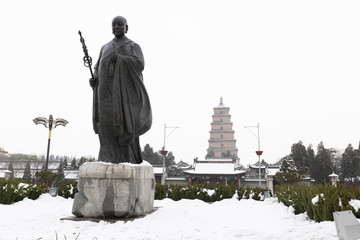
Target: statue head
column 119, row 26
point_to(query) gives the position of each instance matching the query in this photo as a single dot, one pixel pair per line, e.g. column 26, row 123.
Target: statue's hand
column 92, row 82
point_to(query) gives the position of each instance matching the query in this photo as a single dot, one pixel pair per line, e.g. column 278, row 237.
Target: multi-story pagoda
column 222, row 144
column 221, row 165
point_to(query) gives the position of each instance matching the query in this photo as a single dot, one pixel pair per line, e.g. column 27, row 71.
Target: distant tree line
column 302, row 162
column 156, row 159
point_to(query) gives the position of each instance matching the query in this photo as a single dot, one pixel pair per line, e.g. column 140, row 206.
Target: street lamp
column 49, row 123
column 258, row 152
column 164, row 152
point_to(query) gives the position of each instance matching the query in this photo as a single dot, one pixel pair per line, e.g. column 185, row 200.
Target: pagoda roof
column 221, row 115
column 182, row 165
column 222, row 140
column 272, row 171
column 221, row 104
column 221, row 130
column 221, row 123
column 222, row 149
column 217, row 160
column 257, row 166
column 158, row 170
column 216, row 168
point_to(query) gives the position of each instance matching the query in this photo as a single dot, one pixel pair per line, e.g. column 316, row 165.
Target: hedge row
column 320, row 201
column 13, row 191
column 207, row 193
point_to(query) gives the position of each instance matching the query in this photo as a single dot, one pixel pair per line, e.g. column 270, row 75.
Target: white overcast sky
column 291, row 66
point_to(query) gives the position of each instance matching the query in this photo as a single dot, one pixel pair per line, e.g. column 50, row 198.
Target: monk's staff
column 87, row 59
column 88, row 62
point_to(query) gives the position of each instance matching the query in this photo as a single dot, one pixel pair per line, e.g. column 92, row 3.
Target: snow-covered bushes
column 13, row 191
column 68, row 189
column 207, row 193
column 320, row 201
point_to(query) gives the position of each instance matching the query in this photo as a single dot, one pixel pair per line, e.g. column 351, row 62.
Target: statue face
column 119, row 27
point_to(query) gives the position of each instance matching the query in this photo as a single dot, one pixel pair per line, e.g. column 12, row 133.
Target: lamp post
column 49, row 123
column 164, row 152
column 258, row 152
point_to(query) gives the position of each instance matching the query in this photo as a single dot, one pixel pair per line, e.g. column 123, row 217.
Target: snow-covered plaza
column 177, row 220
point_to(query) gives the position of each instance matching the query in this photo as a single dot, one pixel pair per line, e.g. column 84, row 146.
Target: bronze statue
column 121, row 106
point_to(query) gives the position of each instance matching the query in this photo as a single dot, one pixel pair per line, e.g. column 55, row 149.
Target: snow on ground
column 178, row 220
column 355, row 204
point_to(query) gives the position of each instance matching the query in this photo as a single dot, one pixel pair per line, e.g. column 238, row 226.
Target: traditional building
column 222, row 144
column 215, row 171
column 252, row 178
column 35, row 166
column 158, row 173
column 221, row 164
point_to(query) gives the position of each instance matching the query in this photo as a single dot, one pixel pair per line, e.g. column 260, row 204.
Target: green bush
column 161, row 191
column 319, row 201
column 68, row 189
column 13, row 191
column 257, row 193
column 10, row 192
column 46, row 177
column 206, row 192
column 240, row 192
column 247, row 193
column 34, row 191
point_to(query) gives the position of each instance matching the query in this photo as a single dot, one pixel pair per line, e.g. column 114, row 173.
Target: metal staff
column 88, row 62
column 87, row 59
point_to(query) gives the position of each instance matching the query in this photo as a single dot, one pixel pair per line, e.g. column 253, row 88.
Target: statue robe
column 121, row 106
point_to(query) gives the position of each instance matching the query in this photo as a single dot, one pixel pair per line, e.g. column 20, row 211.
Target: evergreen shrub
column 319, row 201
column 33, row 191
column 257, row 193
column 13, row 191
column 247, row 193
column 68, row 189
column 161, row 191
column 46, row 177
column 206, row 192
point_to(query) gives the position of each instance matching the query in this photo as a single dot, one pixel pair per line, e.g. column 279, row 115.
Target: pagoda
column 221, row 164
column 222, row 144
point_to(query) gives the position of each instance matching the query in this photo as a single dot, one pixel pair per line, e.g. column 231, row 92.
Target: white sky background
column 291, row 66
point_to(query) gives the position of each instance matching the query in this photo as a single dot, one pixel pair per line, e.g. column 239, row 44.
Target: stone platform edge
column 109, row 220
column 102, row 170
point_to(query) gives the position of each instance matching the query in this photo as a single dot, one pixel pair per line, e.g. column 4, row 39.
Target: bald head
column 119, row 19
column 119, row 26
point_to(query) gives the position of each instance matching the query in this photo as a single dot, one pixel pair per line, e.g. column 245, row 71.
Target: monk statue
column 121, row 106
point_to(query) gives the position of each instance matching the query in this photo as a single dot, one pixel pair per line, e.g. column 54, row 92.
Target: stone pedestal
column 114, row 190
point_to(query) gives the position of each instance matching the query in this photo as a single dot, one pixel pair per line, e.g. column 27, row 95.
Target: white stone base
column 114, row 190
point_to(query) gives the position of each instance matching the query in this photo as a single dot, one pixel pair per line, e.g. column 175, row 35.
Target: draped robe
column 121, row 106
